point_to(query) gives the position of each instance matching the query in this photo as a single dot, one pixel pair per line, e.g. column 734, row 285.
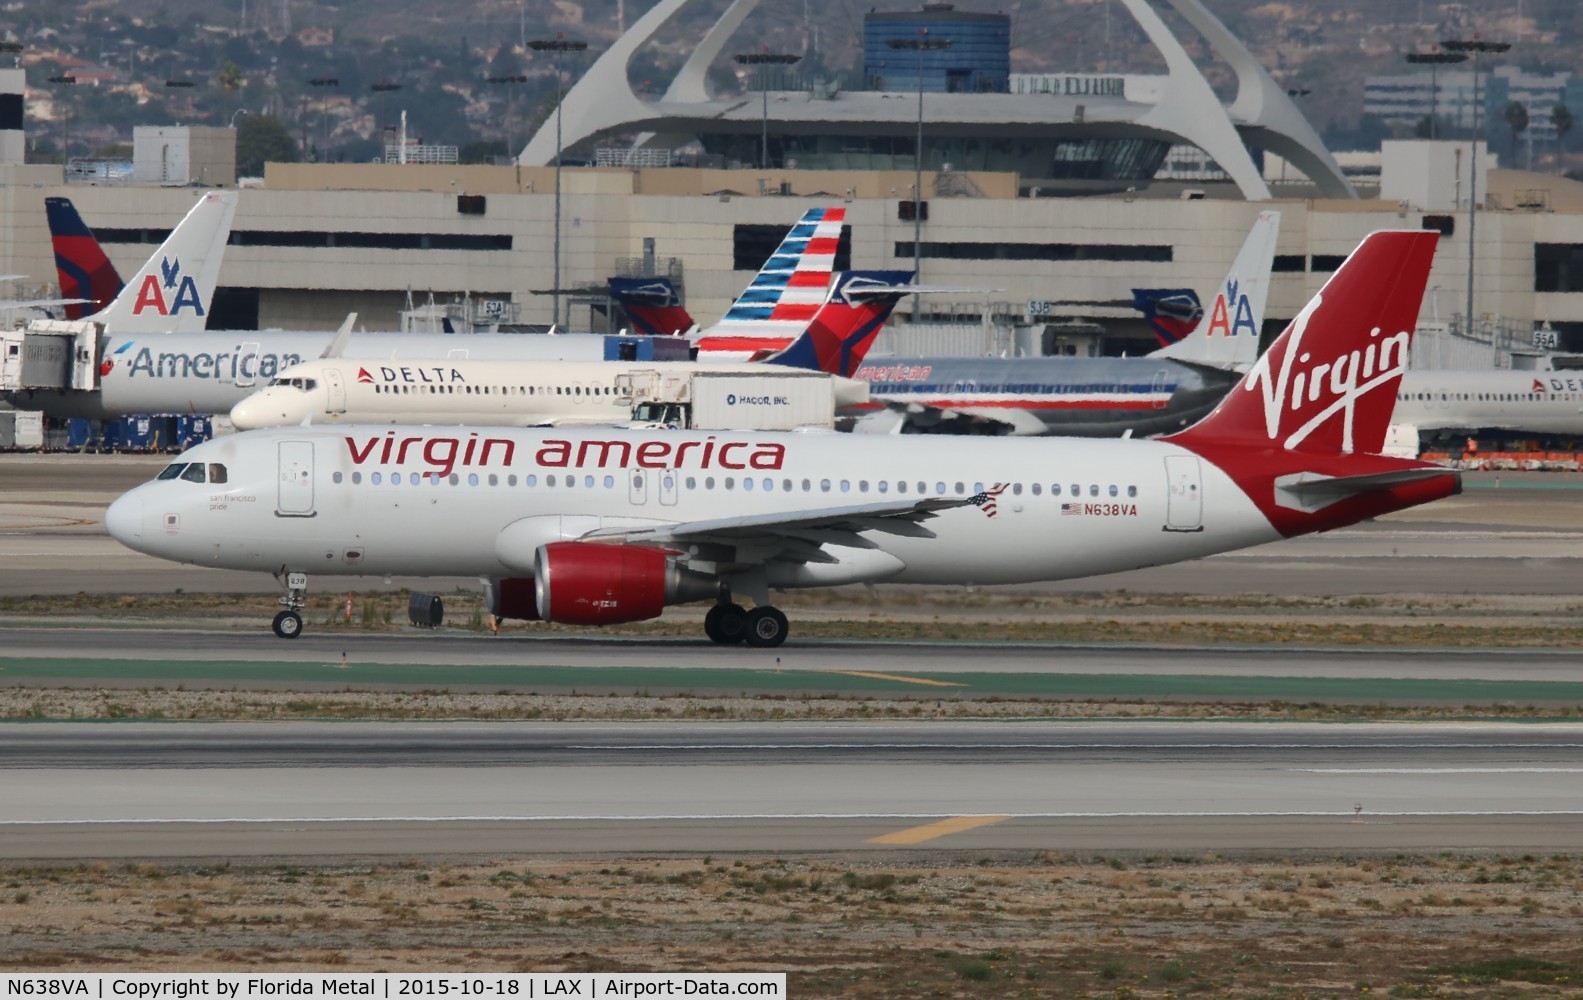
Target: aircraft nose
column 124, row 520
column 259, row 410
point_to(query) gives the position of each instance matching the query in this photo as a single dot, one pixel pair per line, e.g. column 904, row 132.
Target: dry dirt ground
column 920, row 926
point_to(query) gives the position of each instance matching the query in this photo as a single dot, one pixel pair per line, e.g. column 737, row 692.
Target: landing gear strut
column 288, row 624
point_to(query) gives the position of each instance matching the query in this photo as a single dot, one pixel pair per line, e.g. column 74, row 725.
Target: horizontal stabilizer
column 1311, row 491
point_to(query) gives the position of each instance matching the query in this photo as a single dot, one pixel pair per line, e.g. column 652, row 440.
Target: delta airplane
column 555, row 393
column 81, row 266
column 1087, row 397
column 1528, row 402
column 152, row 372
column 606, row 526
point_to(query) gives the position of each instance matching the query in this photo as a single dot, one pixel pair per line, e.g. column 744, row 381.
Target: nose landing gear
column 288, row 623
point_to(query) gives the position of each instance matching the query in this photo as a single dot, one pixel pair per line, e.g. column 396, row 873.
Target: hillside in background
column 126, row 54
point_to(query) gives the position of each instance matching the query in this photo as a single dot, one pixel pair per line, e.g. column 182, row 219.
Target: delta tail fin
column 784, row 296
column 83, row 270
column 173, row 291
column 652, row 304
column 855, row 309
column 1172, row 313
column 1327, row 386
column 1227, row 335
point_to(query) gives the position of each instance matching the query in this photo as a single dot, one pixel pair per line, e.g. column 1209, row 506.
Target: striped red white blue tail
column 785, row 295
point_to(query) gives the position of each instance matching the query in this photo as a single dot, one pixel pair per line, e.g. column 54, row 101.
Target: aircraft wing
column 794, row 537
column 961, row 419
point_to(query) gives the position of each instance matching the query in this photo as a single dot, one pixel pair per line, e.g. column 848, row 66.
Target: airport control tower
column 977, row 60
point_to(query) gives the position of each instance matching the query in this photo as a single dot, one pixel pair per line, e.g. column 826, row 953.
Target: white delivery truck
column 737, row 401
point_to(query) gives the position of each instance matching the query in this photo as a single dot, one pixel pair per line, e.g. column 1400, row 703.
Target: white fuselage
column 212, row 372
column 500, row 393
column 478, row 501
column 1445, row 399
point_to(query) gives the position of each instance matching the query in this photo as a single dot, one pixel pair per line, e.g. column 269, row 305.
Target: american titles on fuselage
column 237, row 364
column 443, row 454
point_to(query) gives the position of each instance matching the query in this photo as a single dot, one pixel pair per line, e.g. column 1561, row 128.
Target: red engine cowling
column 585, row 583
column 512, row 597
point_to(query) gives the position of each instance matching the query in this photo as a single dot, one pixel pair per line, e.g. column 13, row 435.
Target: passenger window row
column 451, row 389
column 767, row 484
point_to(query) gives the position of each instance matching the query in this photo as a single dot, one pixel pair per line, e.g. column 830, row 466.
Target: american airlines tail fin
column 784, row 296
column 81, row 266
column 652, row 304
column 1172, row 313
column 841, row 332
column 1327, row 386
column 172, row 292
column 1227, row 335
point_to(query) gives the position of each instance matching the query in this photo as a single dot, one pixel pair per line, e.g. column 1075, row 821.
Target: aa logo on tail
column 1228, row 321
column 151, row 294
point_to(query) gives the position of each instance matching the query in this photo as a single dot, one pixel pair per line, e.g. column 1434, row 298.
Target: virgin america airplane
column 605, row 526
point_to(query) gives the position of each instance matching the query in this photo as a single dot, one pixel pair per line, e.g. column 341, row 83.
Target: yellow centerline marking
column 895, row 677
column 929, row 831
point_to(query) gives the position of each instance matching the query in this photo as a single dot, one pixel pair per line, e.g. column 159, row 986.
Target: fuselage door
column 668, row 487
column 1160, row 398
column 1184, row 504
column 336, row 388
column 638, row 486
column 295, row 491
column 247, row 364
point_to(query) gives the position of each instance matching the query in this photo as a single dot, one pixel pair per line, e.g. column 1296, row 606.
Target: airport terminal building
column 1034, row 195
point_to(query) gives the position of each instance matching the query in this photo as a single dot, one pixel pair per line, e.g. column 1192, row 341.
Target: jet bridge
column 55, row 355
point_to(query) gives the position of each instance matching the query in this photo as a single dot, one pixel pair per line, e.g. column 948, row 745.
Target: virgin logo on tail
column 1339, row 382
column 1328, row 384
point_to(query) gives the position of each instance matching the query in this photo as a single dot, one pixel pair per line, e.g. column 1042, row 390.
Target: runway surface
column 119, row 656
column 322, row 789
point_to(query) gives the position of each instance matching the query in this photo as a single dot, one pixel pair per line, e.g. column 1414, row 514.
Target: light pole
column 510, row 80
column 382, row 88
column 1474, row 47
column 1434, row 59
column 760, row 60
column 558, row 45
column 324, row 114
column 65, row 123
column 923, row 43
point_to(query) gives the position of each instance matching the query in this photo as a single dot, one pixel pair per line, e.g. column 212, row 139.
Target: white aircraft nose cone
column 124, row 520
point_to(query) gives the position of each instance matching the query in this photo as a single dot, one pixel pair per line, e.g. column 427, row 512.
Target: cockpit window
column 302, row 384
column 217, row 473
column 172, row 471
column 195, row 473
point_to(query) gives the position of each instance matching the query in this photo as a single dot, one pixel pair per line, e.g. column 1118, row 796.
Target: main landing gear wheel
column 767, row 627
column 726, row 624
column 288, row 625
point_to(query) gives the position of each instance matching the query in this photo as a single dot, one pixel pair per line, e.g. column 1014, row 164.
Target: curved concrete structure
column 602, row 103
